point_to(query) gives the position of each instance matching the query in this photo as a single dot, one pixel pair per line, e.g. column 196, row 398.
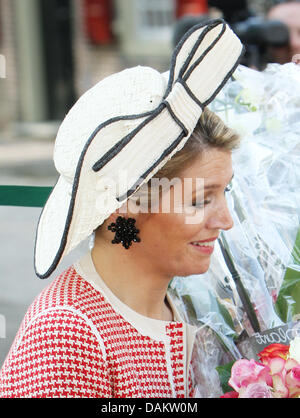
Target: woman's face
column 169, row 239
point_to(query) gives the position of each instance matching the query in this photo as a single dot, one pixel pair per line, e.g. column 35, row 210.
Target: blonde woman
column 107, row 326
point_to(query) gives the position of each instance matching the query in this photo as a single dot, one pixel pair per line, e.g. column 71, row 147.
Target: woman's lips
column 205, row 246
column 206, row 240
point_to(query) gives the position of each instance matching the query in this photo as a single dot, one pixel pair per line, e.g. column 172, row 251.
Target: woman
column 107, row 327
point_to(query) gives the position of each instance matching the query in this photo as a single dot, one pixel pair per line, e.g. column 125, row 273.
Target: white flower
column 253, row 83
column 244, row 123
column 294, row 351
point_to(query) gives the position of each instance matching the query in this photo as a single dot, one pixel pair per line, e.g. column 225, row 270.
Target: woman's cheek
column 193, row 215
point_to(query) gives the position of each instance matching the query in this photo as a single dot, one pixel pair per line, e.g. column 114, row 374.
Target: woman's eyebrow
column 212, row 186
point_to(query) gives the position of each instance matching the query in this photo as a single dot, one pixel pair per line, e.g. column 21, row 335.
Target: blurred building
column 36, row 41
column 55, row 50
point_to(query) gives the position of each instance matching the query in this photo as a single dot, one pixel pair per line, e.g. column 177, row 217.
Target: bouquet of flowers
column 253, row 284
column 276, row 375
column 265, row 200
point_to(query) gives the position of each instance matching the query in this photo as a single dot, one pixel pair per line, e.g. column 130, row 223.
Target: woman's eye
column 228, row 188
column 201, row 204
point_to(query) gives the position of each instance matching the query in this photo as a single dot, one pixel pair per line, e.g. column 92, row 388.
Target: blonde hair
column 210, row 132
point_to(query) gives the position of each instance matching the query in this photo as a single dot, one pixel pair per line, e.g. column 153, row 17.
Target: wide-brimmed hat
column 131, row 122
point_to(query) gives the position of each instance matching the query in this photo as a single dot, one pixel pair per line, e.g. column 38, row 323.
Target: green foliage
column 296, row 250
column 288, row 300
column 226, row 315
column 224, row 375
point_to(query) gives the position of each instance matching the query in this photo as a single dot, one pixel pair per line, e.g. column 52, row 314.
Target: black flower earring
column 125, row 231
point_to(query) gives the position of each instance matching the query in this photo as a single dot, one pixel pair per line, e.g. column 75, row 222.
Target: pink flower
column 277, row 365
column 295, row 375
column 278, row 373
column 277, row 376
column 256, row 390
column 245, row 372
column 231, row 394
column 280, row 389
column 293, row 381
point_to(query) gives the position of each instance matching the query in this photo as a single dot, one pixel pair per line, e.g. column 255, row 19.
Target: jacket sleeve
column 58, row 355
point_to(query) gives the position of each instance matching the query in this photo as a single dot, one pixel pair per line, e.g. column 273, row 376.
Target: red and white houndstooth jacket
column 78, row 340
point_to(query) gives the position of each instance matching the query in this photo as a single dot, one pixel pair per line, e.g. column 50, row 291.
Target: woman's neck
column 133, row 280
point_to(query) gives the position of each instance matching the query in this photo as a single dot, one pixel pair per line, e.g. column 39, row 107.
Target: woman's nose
column 222, row 218
column 227, row 219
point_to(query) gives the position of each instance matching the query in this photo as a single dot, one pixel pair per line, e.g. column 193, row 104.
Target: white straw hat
column 134, row 122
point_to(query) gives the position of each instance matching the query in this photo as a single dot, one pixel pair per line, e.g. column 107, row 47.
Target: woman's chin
column 203, row 268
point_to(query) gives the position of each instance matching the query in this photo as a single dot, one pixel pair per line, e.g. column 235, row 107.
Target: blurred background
column 51, row 51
